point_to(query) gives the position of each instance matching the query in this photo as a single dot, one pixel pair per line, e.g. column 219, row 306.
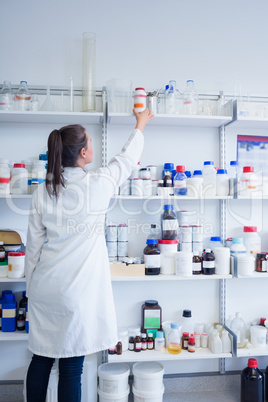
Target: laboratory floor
column 210, row 388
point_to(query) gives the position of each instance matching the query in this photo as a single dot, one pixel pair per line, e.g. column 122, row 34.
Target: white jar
column 123, row 337
column 19, row 179
column 124, row 189
column 111, row 233
column 153, row 171
column 197, row 233
column 187, row 247
column 252, row 240
column 112, row 248
column 185, row 217
column 147, row 187
column 194, row 186
column 183, row 263
column 4, row 177
column 209, row 182
column 186, row 234
column 137, row 187
column 258, row 336
column 222, row 260
column 16, row 260
column 222, row 183
column 38, row 174
column 245, row 265
column 168, row 249
column 140, row 100
column 122, row 232
column 248, row 182
column 236, row 250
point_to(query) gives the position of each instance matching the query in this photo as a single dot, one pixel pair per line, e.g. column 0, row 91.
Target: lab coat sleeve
column 120, row 167
column 35, row 239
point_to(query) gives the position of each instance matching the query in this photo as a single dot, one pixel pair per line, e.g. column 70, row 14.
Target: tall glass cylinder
column 88, row 71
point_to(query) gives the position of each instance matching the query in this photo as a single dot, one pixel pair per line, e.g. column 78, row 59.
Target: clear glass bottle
column 189, row 99
column 174, row 339
column 154, row 232
column 180, row 181
column 238, row 326
column 6, row 96
column 23, row 97
column 172, row 98
column 169, row 223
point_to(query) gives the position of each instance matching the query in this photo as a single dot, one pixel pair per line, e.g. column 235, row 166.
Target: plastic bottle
column 136, row 172
column 23, row 97
column 19, row 179
column 140, row 100
column 6, row 96
column 194, row 184
column 234, row 178
column 180, row 181
column 159, row 342
column 187, row 322
column 189, row 99
column 169, row 223
column 209, row 179
column 172, row 96
column 21, row 321
column 222, row 183
column 208, row 263
column 174, row 339
column 252, row 383
column 221, row 102
column 238, row 326
column 216, row 346
column 152, row 257
column 237, row 247
column 226, row 342
column 23, row 302
column 4, row 177
column 248, row 182
column 38, row 174
column 251, row 240
column 215, row 241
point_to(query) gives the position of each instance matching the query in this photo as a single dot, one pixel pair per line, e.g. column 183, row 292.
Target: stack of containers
column 148, row 382
column 113, row 382
column 197, row 238
column 117, row 241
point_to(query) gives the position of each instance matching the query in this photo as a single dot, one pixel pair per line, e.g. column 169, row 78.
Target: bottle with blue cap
column 215, row 241
column 172, row 98
column 152, row 257
column 222, row 183
column 234, row 177
column 174, row 339
column 180, row 181
column 169, row 223
column 168, row 173
column 209, row 179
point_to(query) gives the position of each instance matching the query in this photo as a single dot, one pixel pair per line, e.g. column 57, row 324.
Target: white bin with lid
column 113, row 378
column 107, row 397
column 258, row 336
column 148, row 376
column 153, row 396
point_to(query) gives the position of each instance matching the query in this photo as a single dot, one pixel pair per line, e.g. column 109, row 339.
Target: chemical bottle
column 172, row 97
column 226, row 342
column 137, row 343
column 237, row 249
column 234, row 178
column 208, row 263
column 251, row 240
column 23, row 302
column 169, row 167
column 238, row 326
column 2, row 252
column 119, row 348
column 189, row 99
column 209, row 179
column 184, row 340
column 191, row 344
column 152, row 257
column 21, row 321
column 252, row 383
column 136, row 172
column 151, row 316
column 150, row 341
column 6, row 96
column 222, row 183
column 159, row 342
column 248, row 181
column 131, row 343
column 197, row 263
column 180, row 181
column 215, row 241
column 143, row 342
column 216, row 343
column 169, row 223
column 23, row 97
column 140, row 100
column 187, row 322
column 167, row 177
column 174, row 339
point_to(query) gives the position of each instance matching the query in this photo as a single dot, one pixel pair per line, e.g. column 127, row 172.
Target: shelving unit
column 171, row 278
column 13, row 336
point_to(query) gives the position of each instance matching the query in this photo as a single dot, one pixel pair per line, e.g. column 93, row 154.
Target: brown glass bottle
column 143, row 342
column 119, row 348
column 150, row 341
column 184, row 340
column 197, row 264
column 167, row 176
column 261, row 263
column 208, row 263
column 131, row 343
column 169, row 223
column 137, row 343
column 152, row 257
column 151, row 316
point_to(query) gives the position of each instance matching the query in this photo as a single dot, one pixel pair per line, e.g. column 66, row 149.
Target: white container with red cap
column 140, row 100
column 4, row 177
column 19, row 179
column 248, row 182
column 168, row 249
column 252, row 241
column 16, row 260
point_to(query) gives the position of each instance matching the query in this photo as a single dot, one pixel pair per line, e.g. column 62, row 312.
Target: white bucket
column 142, row 396
column 113, row 378
column 168, row 248
column 258, row 336
column 148, row 376
column 108, row 397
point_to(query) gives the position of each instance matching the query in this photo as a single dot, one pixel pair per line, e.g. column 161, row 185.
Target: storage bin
column 113, row 378
column 153, row 396
column 107, row 397
column 148, row 376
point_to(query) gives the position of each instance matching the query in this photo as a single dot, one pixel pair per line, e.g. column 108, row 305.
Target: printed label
column 264, row 266
column 138, row 345
column 208, row 264
column 197, row 266
column 20, row 324
column 151, row 319
column 131, row 346
column 152, row 261
column 170, row 224
column 9, row 313
column 150, row 345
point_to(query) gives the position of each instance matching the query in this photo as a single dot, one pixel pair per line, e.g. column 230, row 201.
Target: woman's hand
column 143, row 118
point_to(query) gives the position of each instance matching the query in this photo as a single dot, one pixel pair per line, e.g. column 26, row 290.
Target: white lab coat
column 71, row 307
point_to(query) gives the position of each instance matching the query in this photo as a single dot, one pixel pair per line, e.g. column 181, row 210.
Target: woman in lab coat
column 70, row 303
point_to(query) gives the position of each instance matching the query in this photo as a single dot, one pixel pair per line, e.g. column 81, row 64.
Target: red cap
column 250, row 229
column 185, row 333
column 191, row 338
column 4, row 180
column 262, row 320
column 252, row 363
column 19, row 165
column 16, row 253
column 180, row 168
column 248, row 169
column 139, row 89
column 160, row 241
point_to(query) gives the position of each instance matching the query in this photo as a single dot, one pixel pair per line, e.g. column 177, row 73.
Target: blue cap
column 167, row 86
column 233, row 163
column 187, row 173
column 237, row 240
column 43, row 157
column 190, row 80
column 151, row 241
column 169, row 166
column 5, row 292
column 215, row 238
column 9, row 296
column 208, row 163
column 168, row 206
column 24, row 293
column 182, row 191
column 221, row 171
column 197, row 172
column 174, row 325
column 159, row 334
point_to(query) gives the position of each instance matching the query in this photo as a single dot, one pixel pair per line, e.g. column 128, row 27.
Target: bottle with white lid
column 248, row 182
column 209, row 179
column 222, row 183
column 140, row 100
column 4, row 177
column 252, row 241
column 19, row 179
column 23, row 97
column 238, row 326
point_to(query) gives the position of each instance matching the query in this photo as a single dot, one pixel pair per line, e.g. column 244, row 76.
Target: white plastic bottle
column 19, row 179
column 209, row 179
column 234, row 178
column 238, row 326
column 172, row 98
column 140, row 100
column 237, row 249
column 187, row 322
column 252, row 241
column 248, row 182
column 222, row 183
column 23, row 97
column 216, row 343
column 189, row 99
column 38, row 174
column 4, row 177
column 226, row 342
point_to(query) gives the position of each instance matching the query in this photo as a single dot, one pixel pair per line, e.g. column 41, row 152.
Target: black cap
column 187, row 313
column 151, row 302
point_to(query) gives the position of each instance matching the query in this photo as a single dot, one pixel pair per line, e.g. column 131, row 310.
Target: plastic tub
column 108, row 397
column 258, row 336
column 113, row 378
column 142, row 396
column 148, row 376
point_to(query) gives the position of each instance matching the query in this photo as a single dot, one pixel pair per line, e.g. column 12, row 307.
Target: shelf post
column 104, row 129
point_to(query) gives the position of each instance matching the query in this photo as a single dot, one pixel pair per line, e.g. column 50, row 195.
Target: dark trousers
column 69, row 386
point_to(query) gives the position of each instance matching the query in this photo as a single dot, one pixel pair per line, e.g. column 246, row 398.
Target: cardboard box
column 121, row 269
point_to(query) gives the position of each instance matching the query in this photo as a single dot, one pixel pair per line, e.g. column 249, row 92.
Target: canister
column 124, row 189
column 183, row 261
column 111, row 233
column 222, row 260
column 140, row 99
column 258, row 335
column 147, row 187
column 122, row 232
column 168, row 248
column 186, row 234
column 112, row 248
column 137, row 187
column 16, row 260
column 122, row 249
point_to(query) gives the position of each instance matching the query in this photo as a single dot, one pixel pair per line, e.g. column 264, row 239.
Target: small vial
column 150, row 341
column 184, row 340
column 191, row 344
column 137, row 343
column 112, row 351
column 143, row 342
column 119, row 348
column 131, row 343
column 204, row 340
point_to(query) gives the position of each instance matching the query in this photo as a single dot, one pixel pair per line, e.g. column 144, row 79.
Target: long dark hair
column 64, row 146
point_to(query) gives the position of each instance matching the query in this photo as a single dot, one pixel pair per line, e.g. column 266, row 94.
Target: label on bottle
column 150, row 345
column 179, row 184
column 152, row 319
column 2, row 255
column 20, row 323
column 170, row 224
column 9, row 313
column 144, row 345
column 208, row 264
column 131, row 346
column 152, row 261
column 196, row 266
column 264, row 266
column 138, row 346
